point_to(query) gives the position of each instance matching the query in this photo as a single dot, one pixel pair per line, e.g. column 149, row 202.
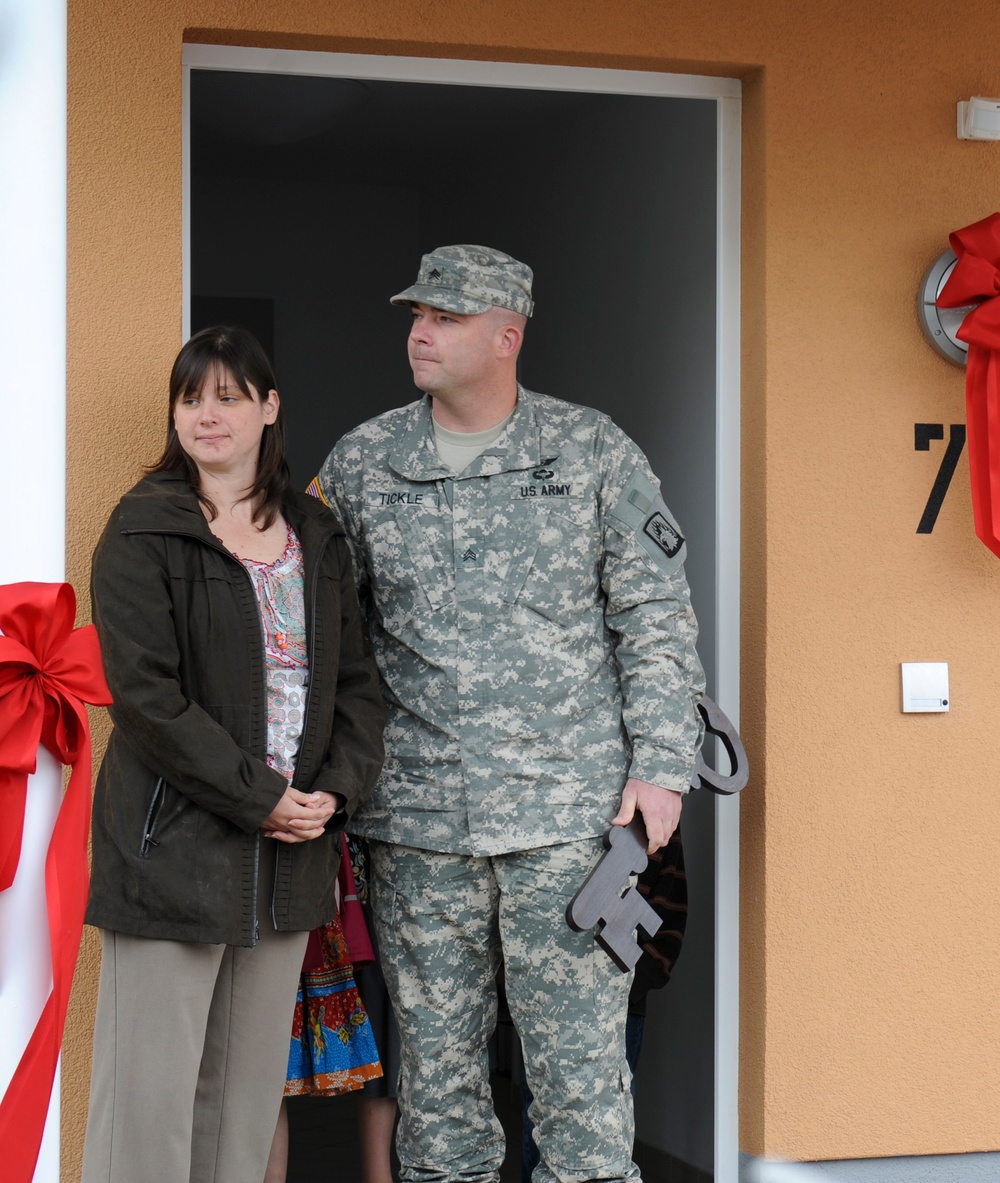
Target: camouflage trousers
column 445, row 923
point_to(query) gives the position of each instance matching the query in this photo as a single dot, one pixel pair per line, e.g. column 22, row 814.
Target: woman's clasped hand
column 299, row 817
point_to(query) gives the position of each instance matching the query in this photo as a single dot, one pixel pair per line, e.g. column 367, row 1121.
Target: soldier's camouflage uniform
column 532, row 625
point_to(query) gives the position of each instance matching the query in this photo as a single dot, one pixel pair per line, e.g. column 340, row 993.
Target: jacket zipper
column 256, row 877
column 152, row 815
column 313, row 596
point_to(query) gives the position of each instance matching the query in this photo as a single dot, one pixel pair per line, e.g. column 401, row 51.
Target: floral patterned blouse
column 280, row 590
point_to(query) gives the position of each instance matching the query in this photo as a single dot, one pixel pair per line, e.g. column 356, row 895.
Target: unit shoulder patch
column 666, row 537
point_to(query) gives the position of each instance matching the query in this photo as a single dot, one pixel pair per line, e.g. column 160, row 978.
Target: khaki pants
column 190, row 1051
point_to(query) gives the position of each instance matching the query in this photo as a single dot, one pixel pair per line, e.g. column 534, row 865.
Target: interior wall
column 869, row 903
column 325, row 253
column 627, row 195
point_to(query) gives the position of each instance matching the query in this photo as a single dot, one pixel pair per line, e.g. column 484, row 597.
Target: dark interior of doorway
column 315, row 197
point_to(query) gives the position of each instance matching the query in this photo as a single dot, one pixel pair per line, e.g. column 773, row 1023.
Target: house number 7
column 923, row 433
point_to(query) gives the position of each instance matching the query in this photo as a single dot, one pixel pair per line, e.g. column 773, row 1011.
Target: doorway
column 313, row 184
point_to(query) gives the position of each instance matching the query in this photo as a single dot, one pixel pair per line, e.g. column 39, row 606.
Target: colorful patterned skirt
column 332, row 1046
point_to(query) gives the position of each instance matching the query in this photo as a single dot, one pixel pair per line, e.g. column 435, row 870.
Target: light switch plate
column 925, row 686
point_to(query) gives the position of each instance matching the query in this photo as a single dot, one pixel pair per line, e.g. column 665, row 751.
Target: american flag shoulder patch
column 315, row 489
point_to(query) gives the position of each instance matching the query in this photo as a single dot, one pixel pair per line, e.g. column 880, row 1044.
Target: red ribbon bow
column 975, row 279
column 48, row 670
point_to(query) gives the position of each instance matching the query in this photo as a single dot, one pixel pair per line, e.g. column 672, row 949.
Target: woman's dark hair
column 229, row 349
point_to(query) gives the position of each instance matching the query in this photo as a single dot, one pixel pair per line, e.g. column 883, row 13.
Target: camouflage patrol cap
column 469, row 280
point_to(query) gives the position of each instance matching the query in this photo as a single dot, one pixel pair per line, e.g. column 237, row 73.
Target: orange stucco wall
column 870, row 962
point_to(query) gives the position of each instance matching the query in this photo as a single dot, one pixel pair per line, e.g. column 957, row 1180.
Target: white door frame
column 727, row 93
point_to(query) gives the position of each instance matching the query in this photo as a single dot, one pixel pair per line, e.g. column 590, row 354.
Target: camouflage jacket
column 531, row 621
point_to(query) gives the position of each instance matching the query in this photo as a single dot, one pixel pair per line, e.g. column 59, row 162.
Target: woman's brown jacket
column 184, row 786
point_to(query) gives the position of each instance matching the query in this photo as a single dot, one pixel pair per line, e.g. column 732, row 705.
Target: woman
column 247, row 726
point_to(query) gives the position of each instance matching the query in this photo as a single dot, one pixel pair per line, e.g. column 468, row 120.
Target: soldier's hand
column 660, row 809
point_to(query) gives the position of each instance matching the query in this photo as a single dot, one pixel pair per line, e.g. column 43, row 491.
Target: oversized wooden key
column 717, row 723
column 606, row 900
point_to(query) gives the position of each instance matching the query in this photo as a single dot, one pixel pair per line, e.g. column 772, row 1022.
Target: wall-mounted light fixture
column 941, row 325
column 979, row 119
column 973, row 285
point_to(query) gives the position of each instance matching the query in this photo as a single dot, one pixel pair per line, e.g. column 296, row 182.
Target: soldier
column 525, row 594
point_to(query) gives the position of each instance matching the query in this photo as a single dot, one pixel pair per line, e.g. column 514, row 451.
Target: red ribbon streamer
column 976, row 279
column 48, row 670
